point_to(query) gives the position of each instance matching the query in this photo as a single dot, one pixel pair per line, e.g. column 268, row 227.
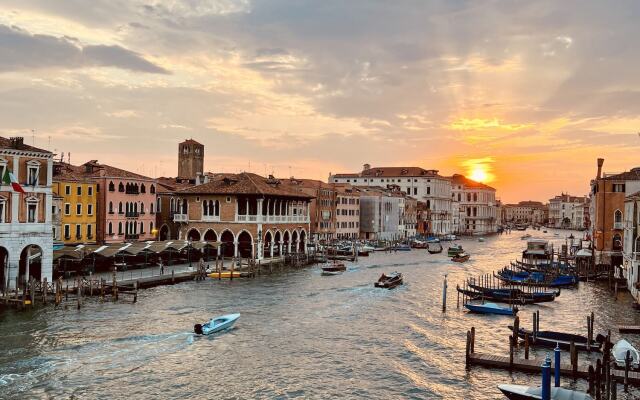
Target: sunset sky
column 523, row 94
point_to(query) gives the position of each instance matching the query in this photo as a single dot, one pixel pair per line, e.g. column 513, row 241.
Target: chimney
column 600, row 162
column 366, row 167
column 199, row 180
column 16, row 142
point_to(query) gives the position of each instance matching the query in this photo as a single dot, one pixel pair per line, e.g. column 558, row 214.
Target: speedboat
column 401, row 247
column 216, row 324
column 461, row 257
column 367, row 248
column 454, row 250
column 226, row 274
column 481, row 239
column 491, row 308
column 521, row 392
column 619, row 352
column 334, row 268
column 389, row 281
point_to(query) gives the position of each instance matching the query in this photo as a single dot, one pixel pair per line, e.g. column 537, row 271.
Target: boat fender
column 197, row 328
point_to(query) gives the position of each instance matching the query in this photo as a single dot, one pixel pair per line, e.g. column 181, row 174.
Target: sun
column 479, row 174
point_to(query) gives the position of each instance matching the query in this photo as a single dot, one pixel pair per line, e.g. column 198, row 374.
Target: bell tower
column 190, row 159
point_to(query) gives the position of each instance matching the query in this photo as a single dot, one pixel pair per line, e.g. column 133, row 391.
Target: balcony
column 131, row 236
column 130, row 191
column 273, row 218
column 210, row 218
column 132, row 214
column 180, row 218
column 618, row 225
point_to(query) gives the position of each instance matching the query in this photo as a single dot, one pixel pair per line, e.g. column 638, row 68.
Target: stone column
column 235, row 248
column 259, row 213
column 271, row 248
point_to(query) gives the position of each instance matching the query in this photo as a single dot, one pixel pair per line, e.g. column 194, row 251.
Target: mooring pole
column 444, row 294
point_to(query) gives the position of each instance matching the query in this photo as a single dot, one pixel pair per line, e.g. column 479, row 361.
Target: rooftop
column 18, row 144
column 391, row 172
column 244, row 183
column 66, row 172
column 94, row 168
column 461, row 179
column 632, row 175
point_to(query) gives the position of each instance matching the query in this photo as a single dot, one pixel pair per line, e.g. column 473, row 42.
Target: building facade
column 525, row 212
column 78, row 207
column 323, row 208
column 347, row 212
column 476, row 208
column 423, row 185
column 26, row 233
column 126, row 204
column 251, row 216
column 562, row 213
column 631, row 243
column 379, row 213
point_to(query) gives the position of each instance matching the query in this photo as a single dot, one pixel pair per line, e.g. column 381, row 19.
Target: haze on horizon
column 524, row 95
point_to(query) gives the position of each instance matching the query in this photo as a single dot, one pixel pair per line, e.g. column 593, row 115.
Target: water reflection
column 300, row 335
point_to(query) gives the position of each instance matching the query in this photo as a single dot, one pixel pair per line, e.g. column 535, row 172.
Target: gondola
column 520, row 392
column 473, row 295
column 491, row 308
column 536, row 279
column 216, row 324
column 460, row 258
column 389, row 281
column 551, row 338
column 537, row 297
column 401, row 247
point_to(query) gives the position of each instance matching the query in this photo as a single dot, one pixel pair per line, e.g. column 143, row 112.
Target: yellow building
column 78, row 206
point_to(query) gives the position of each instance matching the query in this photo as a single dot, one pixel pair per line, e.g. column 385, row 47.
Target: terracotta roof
column 112, row 172
column 191, row 141
column 169, row 185
column 567, row 198
column 244, row 183
column 392, row 172
column 66, row 172
column 461, row 179
column 632, row 175
column 7, row 144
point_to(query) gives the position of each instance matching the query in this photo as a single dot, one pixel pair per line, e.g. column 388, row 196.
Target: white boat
column 481, row 239
column 367, row 247
column 619, row 352
column 520, row 392
column 216, row 324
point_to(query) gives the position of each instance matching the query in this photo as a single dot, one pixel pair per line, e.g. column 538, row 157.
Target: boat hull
column 216, row 324
column 482, row 309
column 551, row 339
column 520, row 392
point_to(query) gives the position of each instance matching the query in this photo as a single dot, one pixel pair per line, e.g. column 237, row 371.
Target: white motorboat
column 521, row 392
column 619, row 352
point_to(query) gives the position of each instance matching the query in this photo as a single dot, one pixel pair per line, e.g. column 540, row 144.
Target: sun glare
column 478, row 174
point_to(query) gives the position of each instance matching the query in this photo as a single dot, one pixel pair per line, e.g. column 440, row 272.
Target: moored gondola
column 553, row 338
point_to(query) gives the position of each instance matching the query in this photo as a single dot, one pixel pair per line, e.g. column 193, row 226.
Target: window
column 67, row 209
column 110, row 207
column 159, row 204
column 617, row 216
column 67, row 190
column 428, row 189
column 415, row 191
column 33, row 169
column 78, row 231
column 79, row 190
column 150, row 208
column 90, row 190
column 150, row 227
column 89, row 209
column 3, row 167
column 3, row 206
column 119, row 228
column 228, row 199
column 67, row 232
column 143, row 189
column 120, row 187
column 120, row 208
column 112, row 188
column 618, row 187
column 153, row 189
column 110, row 228
column 89, row 231
column 32, row 209
column 78, row 209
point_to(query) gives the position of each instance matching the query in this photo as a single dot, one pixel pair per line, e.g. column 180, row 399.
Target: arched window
column 159, row 204
column 617, row 216
column 153, row 189
column 217, row 213
column 143, row 189
column 120, row 208
column 135, row 207
column 475, row 197
column 110, row 207
column 184, row 206
column 172, row 205
column 120, row 187
column 112, row 187
column 119, row 228
column 150, row 227
column 205, row 208
column 141, row 228
column 110, row 228
column 151, row 208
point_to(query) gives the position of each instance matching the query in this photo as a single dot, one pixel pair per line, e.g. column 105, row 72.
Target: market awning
column 205, row 244
column 112, row 249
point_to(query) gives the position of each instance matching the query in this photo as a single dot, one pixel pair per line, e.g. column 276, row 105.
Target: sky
column 524, row 95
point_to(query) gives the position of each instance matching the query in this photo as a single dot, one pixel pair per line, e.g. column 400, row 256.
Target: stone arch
column 303, row 241
column 193, row 234
column 277, row 241
column 245, row 244
column 165, row 233
column 30, row 264
column 227, row 240
column 268, row 240
column 286, row 240
column 294, row 241
column 210, row 235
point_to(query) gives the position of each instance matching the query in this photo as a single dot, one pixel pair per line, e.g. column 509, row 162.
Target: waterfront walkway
column 135, row 274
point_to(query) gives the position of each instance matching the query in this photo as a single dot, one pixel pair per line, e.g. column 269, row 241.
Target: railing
column 618, row 225
column 271, row 218
column 210, row 218
column 180, row 218
column 132, row 214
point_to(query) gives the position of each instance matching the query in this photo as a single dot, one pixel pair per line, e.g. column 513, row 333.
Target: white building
column 26, row 232
column 424, row 185
column 379, row 213
column 476, row 206
column 631, row 244
column 562, row 213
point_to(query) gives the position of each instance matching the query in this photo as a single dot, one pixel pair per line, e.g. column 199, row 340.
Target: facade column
column 259, row 213
column 247, row 209
column 49, row 172
column 271, row 248
column 235, row 248
column 12, row 270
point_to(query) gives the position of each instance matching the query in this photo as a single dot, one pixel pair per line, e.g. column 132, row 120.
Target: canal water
column 301, row 335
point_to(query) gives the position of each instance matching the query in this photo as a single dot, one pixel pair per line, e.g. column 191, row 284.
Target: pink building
column 126, row 204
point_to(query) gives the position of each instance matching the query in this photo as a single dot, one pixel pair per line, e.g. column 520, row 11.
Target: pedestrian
column 161, row 267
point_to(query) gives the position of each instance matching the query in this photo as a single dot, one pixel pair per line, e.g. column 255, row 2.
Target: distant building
column 190, row 159
column 476, row 204
column 379, row 213
column 26, row 239
column 631, row 244
column 322, row 207
column 525, row 212
column 562, row 213
column 423, row 185
column 347, row 212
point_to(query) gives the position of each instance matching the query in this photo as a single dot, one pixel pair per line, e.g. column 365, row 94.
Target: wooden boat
column 462, row 257
column 216, row 324
column 454, row 250
column 521, row 392
column 551, row 338
column 389, row 281
column 434, row 248
column 536, row 278
column 334, row 268
column 401, row 247
column 619, row 352
column 474, row 295
column 491, row 308
column 227, row 275
column 419, row 245
column 515, row 293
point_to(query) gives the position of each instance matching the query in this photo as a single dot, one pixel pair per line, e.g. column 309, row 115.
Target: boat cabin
column 538, row 251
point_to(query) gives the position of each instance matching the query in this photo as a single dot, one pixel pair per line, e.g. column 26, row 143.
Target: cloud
column 21, row 50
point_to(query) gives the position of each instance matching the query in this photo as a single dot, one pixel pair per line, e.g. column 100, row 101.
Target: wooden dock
column 629, row 329
column 533, row 366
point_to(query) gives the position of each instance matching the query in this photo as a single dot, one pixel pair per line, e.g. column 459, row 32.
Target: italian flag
column 9, row 179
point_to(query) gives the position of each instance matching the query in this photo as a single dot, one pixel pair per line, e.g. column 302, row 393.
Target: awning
column 67, row 252
column 112, row 249
column 583, row 253
column 206, row 244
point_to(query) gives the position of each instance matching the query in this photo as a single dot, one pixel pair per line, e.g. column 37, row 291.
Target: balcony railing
column 618, row 225
column 272, row 218
column 129, row 191
column 180, row 218
column 210, row 218
column 133, row 214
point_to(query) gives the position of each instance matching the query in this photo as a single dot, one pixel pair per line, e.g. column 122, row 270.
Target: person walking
column 161, row 267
